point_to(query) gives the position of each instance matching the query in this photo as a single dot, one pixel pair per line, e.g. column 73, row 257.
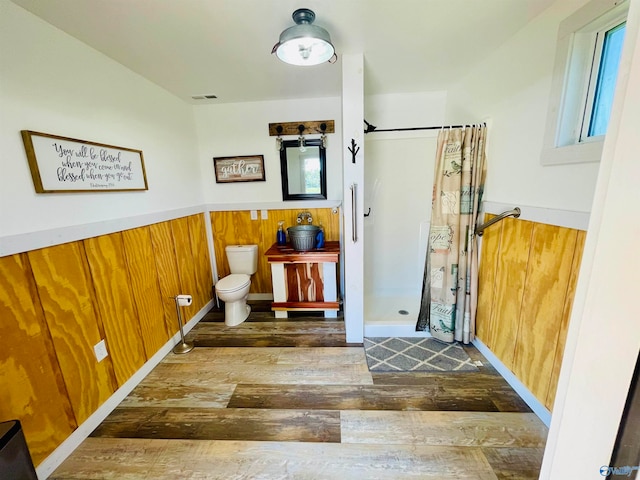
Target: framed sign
column 249, row 168
column 67, row 165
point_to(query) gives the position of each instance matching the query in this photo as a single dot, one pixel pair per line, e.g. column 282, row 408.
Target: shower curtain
column 450, row 283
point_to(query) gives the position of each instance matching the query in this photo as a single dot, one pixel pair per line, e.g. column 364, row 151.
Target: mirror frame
column 286, row 195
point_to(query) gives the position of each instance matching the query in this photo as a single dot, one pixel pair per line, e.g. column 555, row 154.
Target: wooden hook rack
column 292, row 128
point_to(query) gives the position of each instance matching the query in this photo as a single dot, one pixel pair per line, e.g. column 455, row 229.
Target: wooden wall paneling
column 543, row 302
column 237, row 228
column 269, row 228
column 330, row 221
column 510, row 283
column 202, row 262
column 66, row 293
column 33, row 390
column 219, row 227
column 167, row 267
column 186, row 265
column 261, row 282
column 108, row 265
column 490, row 252
column 146, row 288
column 566, row 315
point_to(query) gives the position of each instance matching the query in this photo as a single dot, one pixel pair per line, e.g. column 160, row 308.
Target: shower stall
column 398, row 176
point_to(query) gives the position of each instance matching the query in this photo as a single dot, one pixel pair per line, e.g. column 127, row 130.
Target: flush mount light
column 304, row 43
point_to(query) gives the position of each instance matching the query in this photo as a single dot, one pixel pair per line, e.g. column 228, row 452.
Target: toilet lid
column 233, row 282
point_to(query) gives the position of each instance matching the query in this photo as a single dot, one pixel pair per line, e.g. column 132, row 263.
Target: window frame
column 577, row 36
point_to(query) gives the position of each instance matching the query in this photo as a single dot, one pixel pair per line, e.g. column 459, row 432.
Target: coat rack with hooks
column 310, row 128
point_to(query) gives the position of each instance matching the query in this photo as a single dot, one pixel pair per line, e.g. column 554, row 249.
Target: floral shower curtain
column 450, row 283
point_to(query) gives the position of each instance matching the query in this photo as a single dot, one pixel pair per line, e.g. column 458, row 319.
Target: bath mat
column 419, row 354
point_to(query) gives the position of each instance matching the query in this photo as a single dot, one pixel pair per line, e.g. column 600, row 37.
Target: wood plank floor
column 290, row 399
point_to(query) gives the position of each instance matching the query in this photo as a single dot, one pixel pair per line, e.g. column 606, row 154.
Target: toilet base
column 236, row 312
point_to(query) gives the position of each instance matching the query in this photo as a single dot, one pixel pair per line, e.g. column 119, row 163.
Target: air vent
column 209, row 96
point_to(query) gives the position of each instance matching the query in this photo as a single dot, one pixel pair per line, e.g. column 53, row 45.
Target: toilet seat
column 233, row 283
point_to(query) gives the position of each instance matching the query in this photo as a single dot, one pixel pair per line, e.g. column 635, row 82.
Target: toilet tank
column 242, row 258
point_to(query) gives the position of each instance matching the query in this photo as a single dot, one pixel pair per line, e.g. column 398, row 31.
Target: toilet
column 234, row 288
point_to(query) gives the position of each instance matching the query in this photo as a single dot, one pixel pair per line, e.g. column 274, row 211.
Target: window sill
column 580, row 153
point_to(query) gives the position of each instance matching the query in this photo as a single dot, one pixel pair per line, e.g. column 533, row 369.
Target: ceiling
column 223, row 47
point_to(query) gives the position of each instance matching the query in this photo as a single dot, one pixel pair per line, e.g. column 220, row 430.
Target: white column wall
column 353, row 241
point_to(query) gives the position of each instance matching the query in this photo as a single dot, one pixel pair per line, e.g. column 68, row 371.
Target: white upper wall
column 405, row 110
column 54, row 84
column 236, row 129
column 511, row 90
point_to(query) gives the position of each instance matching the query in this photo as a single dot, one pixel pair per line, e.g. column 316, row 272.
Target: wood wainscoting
column 236, row 227
column 528, row 274
column 57, row 302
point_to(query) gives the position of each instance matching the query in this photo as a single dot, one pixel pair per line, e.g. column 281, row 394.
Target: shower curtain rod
column 373, row 129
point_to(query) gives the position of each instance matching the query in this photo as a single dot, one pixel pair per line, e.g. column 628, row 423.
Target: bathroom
column 513, row 102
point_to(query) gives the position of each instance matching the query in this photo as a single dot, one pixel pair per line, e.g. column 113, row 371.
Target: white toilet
column 234, row 289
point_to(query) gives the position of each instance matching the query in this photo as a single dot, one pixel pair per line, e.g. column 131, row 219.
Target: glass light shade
column 304, row 43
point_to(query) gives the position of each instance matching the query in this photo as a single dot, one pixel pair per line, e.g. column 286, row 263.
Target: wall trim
column 305, row 204
column 550, row 216
column 535, row 405
column 24, row 242
column 73, row 441
column 211, row 246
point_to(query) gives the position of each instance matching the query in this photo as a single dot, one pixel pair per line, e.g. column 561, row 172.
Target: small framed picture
column 248, row 168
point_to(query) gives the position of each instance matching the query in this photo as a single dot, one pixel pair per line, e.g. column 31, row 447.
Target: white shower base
column 382, row 317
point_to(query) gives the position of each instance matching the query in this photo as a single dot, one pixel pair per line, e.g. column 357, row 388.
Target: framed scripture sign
column 249, row 168
column 67, row 165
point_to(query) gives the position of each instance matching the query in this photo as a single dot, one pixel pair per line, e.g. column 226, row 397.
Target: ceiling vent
column 204, row 97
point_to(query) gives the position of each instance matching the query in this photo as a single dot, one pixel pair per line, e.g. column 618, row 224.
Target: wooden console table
column 304, row 281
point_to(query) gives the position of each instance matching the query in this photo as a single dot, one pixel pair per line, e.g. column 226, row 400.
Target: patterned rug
column 415, row 355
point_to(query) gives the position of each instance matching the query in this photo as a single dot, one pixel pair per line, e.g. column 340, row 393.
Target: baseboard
column 535, row 405
column 260, row 296
column 74, row 440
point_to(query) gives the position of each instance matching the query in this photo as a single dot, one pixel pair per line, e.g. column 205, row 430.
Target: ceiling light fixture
column 304, row 43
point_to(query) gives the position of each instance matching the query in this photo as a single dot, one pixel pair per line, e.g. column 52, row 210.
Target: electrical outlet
column 100, row 350
column 264, row 215
column 254, row 214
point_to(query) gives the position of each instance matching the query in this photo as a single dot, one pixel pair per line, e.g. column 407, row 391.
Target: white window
column 602, row 81
column 588, row 55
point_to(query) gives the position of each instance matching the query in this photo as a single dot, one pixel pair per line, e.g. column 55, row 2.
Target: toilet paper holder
column 182, row 301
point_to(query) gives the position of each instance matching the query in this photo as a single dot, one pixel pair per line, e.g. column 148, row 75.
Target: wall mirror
column 303, row 170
